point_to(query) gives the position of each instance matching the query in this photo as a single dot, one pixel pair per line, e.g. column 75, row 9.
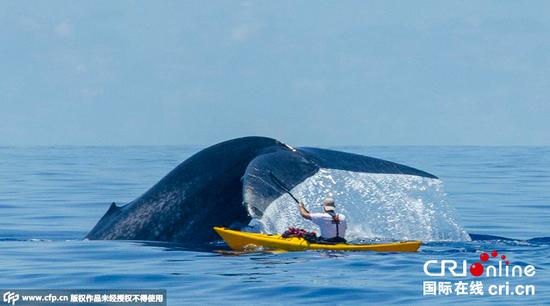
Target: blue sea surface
column 50, row 197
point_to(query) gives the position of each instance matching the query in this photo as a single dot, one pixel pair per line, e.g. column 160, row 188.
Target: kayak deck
column 238, row 240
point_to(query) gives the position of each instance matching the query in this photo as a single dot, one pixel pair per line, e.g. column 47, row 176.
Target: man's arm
column 303, row 211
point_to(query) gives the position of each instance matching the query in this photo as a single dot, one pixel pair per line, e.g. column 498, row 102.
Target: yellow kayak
column 238, row 240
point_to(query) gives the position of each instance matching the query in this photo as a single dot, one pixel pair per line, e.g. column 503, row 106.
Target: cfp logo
column 11, row 297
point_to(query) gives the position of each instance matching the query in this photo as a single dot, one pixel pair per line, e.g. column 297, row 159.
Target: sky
column 322, row 73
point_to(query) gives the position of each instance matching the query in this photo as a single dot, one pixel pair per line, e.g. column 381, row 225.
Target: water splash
column 389, row 206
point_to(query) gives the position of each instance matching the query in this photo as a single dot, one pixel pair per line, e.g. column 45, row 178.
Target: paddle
column 282, row 186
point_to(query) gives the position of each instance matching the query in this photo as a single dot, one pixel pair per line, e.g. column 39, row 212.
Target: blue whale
column 223, row 185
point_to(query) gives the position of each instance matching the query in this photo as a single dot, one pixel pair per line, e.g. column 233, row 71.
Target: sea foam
column 387, row 206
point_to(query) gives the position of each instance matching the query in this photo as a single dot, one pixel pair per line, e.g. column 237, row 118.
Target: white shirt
column 327, row 226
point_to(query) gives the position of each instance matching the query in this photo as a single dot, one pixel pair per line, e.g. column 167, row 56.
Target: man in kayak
column 332, row 225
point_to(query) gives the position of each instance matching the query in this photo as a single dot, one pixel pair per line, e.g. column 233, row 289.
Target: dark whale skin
column 223, row 185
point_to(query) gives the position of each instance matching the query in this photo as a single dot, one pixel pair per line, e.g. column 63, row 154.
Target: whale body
column 223, row 185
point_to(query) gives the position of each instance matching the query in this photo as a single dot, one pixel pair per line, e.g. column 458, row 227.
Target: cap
column 329, row 204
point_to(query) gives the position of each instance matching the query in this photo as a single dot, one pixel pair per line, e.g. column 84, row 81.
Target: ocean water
column 50, row 197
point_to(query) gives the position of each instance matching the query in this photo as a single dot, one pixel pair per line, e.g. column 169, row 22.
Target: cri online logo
column 501, row 269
